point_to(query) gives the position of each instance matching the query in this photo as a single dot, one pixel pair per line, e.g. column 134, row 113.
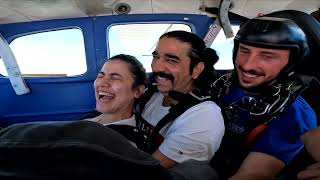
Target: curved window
column 56, row 53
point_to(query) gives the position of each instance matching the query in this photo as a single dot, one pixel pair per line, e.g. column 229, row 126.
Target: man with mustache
column 181, row 64
column 266, row 114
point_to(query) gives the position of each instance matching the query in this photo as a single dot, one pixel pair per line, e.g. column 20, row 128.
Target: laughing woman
column 120, row 82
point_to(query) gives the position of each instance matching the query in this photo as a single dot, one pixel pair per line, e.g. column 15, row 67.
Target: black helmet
column 275, row 33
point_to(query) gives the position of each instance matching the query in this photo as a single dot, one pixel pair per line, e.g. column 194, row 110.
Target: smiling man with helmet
column 266, row 116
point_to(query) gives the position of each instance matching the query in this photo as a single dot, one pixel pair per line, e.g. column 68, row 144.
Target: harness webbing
column 126, row 130
column 185, row 101
column 254, row 133
column 276, row 102
column 264, row 110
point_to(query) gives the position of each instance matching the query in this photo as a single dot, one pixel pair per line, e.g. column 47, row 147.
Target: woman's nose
column 103, row 82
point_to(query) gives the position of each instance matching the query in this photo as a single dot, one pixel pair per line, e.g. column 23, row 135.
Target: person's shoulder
column 205, row 106
column 95, row 118
column 156, row 95
column 301, row 113
column 155, row 100
column 206, row 111
column 300, row 101
column 302, row 104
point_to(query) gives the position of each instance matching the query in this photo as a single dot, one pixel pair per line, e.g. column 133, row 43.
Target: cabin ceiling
column 12, row 11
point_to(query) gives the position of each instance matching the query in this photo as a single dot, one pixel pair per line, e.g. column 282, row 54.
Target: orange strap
column 254, row 133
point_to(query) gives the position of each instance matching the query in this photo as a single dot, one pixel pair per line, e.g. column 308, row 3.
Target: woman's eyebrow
column 116, row 74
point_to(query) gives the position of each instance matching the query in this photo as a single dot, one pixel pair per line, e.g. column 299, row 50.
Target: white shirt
column 130, row 121
column 196, row 134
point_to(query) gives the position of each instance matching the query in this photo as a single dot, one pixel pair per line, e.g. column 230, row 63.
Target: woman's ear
column 198, row 68
column 139, row 90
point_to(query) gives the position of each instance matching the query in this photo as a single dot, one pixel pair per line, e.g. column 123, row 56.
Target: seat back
column 72, row 150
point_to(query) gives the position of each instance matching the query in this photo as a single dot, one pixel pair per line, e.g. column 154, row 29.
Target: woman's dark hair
column 198, row 53
column 135, row 67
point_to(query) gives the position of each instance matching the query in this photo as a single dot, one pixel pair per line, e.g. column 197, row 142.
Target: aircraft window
column 139, row 40
column 224, row 48
column 49, row 54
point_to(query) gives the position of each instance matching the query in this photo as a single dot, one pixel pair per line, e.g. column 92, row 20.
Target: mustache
column 251, row 71
column 164, row 75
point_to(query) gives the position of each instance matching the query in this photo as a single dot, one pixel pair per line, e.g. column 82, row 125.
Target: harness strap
column 143, row 138
column 147, row 141
column 127, row 131
column 262, row 111
column 275, row 103
column 185, row 101
column 254, row 133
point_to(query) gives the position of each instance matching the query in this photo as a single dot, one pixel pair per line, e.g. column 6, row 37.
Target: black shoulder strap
column 126, row 130
column 185, row 101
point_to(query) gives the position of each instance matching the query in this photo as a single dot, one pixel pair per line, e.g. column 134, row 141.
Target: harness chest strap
column 185, row 101
column 284, row 96
column 254, row 133
column 266, row 109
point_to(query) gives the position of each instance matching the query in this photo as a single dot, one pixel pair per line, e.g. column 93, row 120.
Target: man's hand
column 312, row 143
column 164, row 160
column 311, row 172
column 258, row 166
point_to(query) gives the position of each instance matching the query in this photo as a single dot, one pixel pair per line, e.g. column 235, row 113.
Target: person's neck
column 168, row 101
column 252, row 93
column 110, row 118
column 261, row 89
